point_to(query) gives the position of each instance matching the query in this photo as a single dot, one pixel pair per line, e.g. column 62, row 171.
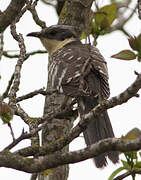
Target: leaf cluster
column 135, row 44
column 132, row 163
column 6, row 113
column 102, row 20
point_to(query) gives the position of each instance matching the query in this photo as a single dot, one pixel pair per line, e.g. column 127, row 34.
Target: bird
column 79, row 71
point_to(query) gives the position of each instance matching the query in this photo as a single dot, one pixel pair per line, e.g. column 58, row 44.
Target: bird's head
column 55, row 37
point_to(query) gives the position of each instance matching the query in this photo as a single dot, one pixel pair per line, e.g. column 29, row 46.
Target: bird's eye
column 52, row 33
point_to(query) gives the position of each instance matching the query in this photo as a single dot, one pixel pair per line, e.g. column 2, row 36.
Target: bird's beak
column 35, row 34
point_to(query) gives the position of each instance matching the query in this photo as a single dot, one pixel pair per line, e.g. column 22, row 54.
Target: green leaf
column 6, row 113
column 83, row 36
column 131, row 155
column 111, row 11
column 47, row 172
column 115, row 173
column 139, row 56
column 134, row 43
column 99, row 17
column 6, row 118
column 139, row 40
column 138, row 164
column 95, row 29
column 103, row 18
column 125, row 55
column 136, row 131
column 130, row 136
column 106, row 13
column 125, row 165
column 105, row 23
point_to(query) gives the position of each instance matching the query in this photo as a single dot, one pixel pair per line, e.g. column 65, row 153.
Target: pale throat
column 53, row 45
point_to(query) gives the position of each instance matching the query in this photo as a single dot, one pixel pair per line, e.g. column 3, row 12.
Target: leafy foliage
column 6, row 113
column 103, row 19
column 135, row 44
column 132, row 158
column 125, row 55
column 114, row 173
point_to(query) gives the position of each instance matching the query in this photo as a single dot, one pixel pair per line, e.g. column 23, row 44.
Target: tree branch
column 8, row 16
column 34, row 93
column 6, row 54
column 1, row 44
column 17, row 73
column 5, row 94
column 35, row 16
column 34, row 165
column 16, row 141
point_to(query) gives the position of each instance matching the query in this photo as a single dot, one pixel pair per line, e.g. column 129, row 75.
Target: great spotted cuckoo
column 79, row 70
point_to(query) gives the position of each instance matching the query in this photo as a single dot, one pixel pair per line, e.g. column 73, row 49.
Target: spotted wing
column 77, row 70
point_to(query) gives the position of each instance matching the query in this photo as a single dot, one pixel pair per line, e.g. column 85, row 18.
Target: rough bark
column 47, row 163
column 10, row 13
column 57, row 129
column 77, row 13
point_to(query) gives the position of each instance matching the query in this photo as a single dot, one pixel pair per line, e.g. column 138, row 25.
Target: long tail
column 97, row 130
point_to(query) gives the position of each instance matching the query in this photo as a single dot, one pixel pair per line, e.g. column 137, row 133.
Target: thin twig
column 5, row 94
column 12, row 133
column 6, row 54
column 34, row 93
column 17, row 73
column 1, row 45
column 16, row 141
column 22, row 57
column 20, row 112
column 35, row 16
column 122, row 21
column 48, row 3
column 25, row 117
column 134, row 171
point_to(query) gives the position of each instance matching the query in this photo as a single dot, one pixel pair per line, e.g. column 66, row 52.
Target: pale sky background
column 34, row 76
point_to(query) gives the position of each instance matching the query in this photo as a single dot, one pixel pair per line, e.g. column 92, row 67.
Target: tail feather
column 97, row 130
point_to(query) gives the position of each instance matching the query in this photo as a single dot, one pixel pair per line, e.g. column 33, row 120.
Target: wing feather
column 81, row 71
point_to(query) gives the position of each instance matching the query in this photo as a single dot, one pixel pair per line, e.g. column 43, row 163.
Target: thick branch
column 7, row 17
column 33, row 165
